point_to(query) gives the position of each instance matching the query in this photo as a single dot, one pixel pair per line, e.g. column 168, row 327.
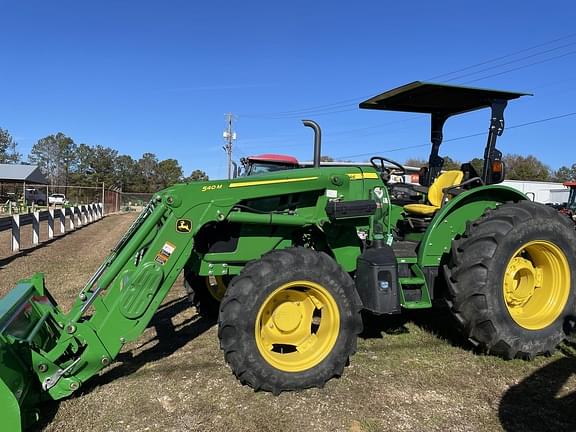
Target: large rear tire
column 289, row 321
column 511, row 280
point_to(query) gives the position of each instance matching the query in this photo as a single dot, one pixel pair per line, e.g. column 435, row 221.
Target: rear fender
column 451, row 219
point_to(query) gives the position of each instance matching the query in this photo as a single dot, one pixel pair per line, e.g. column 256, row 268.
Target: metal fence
column 76, row 216
column 112, row 201
column 134, row 200
column 19, row 199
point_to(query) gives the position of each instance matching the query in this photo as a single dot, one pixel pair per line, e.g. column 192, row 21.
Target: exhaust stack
column 317, row 140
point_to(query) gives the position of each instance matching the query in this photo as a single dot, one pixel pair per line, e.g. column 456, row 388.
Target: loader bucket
column 25, row 328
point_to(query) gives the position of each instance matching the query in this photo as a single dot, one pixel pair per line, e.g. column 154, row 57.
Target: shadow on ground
column 440, row 322
column 375, row 326
column 4, row 261
column 540, row 402
column 436, row 321
column 169, row 338
column 47, row 413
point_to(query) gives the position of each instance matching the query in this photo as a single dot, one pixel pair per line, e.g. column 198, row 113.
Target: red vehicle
column 268, row 162
column 570, row 208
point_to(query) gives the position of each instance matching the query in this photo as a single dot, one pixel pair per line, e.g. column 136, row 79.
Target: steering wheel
column 385, row 172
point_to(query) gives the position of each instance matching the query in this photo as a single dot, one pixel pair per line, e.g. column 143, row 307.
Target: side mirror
column 423, row 176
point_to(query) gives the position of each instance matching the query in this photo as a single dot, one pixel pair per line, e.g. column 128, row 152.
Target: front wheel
column 289, row 321
column 511, row 280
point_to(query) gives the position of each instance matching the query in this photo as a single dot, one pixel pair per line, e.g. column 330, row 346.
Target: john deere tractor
column 287, row 260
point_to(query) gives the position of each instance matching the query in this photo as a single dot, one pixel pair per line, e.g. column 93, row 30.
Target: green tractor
column 287, row 260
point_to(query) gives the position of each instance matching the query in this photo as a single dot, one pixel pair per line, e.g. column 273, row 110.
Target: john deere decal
column 183, row 226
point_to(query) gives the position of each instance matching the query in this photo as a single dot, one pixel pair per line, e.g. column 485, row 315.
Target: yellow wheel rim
column 536, row 284
column 297, row 326
column 216, row 287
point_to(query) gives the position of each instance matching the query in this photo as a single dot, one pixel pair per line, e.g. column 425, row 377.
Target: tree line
column 66, row 163
column 517, row 168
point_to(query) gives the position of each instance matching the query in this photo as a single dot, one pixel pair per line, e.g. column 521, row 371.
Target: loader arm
column 120, row 299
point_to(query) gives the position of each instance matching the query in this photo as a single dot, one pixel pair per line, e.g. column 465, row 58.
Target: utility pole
column 229, row 136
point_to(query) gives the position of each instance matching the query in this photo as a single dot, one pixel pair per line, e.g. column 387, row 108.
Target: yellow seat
column 436, row 193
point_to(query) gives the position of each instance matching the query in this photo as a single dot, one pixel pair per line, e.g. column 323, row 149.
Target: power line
column 350, row 104
column 502, row 57
column 331, row 135
column 354, row 107
column 463, row 137
column 513, row 61
column 377, row 126
column 310, row 110
column 341, row 106
column 289, row 139
column 542, row 120
column 521, row 67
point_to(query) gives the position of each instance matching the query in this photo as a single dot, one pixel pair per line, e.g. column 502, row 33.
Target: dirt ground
column 410, row 373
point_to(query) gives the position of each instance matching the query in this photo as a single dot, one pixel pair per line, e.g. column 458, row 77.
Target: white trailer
column 539, row 191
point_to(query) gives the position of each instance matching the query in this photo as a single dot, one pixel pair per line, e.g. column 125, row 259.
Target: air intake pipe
column 317, row 140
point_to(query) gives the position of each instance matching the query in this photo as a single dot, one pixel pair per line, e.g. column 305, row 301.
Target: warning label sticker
column 165, row 252
column 160, row 259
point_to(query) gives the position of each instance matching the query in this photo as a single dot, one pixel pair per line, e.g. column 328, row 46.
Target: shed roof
column 22, row 173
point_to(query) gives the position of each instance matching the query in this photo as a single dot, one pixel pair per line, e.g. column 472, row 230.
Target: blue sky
column 143, row 76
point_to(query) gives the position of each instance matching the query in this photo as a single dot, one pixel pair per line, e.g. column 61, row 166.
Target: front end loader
column 287, row 260
column 23, row 326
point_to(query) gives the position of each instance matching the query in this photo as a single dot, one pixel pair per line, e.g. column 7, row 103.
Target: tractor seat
column 436, row 193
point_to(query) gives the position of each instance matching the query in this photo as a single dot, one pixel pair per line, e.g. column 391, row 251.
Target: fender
column 451, row 219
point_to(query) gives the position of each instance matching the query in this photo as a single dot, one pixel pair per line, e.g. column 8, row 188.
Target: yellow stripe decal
column 269, row 182
column 360, row 176
column 370, row 176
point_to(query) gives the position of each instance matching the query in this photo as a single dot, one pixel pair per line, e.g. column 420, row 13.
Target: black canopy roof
column 446, row 100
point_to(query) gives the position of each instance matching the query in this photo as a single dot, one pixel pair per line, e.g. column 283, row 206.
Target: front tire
column 289, row 321
column 511, row 281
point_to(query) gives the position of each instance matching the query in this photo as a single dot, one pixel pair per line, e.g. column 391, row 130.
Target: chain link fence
column 134, row 201
column 25, row 198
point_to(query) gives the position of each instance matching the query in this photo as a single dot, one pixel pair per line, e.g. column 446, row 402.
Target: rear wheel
column 205, row 292
column 289, row 321
column 511, row 280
